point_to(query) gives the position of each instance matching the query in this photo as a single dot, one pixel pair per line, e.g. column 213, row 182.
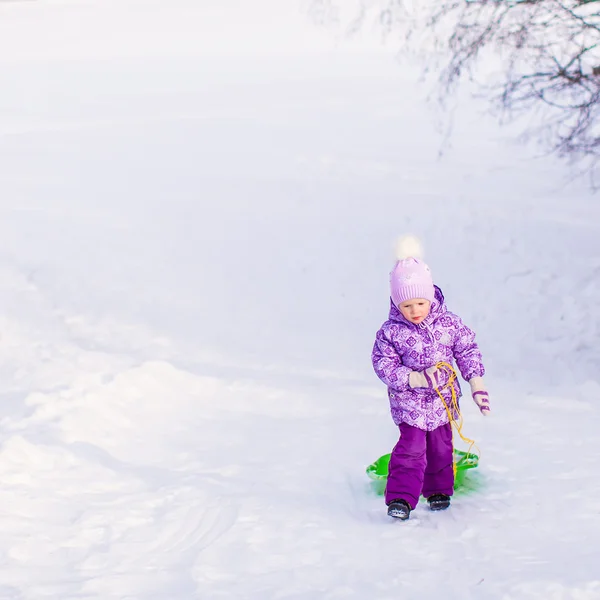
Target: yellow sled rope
column 452, row 410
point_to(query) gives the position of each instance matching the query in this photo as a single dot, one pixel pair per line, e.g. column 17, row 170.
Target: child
column 419, row 333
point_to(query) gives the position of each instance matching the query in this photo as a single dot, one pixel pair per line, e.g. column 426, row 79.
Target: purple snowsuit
column 422, row 459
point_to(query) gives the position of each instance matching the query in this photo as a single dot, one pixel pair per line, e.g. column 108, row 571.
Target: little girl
column 419, row 333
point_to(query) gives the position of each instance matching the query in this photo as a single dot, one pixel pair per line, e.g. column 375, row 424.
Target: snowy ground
column 194, row 252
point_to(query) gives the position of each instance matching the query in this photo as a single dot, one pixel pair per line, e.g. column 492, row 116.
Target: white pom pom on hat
column 411, row 277
column 408, row 246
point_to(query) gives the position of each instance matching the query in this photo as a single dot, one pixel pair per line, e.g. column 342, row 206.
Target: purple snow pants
column 421, row 463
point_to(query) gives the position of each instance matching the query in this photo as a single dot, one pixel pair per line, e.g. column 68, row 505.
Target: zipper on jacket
column 428, row 331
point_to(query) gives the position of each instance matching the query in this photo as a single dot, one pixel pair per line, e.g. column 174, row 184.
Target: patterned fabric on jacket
column 401, row 347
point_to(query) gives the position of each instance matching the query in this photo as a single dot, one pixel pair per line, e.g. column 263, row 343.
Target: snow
column 194, row 248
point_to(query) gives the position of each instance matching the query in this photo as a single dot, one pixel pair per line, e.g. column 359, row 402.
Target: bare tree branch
column 549, row 52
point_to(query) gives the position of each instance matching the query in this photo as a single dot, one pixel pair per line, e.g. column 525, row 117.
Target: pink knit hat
column 410, row 278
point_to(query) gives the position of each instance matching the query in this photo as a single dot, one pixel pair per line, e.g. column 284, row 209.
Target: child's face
column 415, row 310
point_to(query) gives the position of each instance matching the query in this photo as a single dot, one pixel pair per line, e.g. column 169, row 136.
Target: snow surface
column 195, row 237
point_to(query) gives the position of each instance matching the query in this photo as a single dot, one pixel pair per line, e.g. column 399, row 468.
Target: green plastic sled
column 378, row 471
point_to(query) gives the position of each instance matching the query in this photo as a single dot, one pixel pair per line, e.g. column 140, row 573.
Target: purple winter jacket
column 401, row 347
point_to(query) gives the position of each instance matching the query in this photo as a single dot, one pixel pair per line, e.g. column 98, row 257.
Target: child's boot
column 399, row 509
column 439, row 501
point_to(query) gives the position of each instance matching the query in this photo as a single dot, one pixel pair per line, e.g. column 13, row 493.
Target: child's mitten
column 431, row 378
column 480, row 395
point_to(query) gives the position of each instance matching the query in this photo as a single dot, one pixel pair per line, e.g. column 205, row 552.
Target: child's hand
column 432, row 378
column 480, row 395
